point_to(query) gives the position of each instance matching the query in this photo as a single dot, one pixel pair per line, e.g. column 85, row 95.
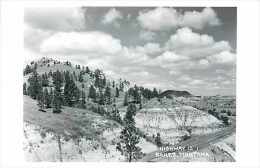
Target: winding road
column 200, row 142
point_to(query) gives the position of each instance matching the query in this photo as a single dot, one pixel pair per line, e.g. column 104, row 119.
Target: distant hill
column 171, row 93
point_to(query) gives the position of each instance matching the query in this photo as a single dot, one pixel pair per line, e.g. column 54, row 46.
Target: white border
column 248, row 81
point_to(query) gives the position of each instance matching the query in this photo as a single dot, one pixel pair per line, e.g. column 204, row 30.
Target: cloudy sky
column 181, row 48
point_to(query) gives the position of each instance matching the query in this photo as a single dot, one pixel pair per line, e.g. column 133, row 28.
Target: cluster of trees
column 223, row 115
column 102, row 96
column 64, row 91
column 136, row 94
column 111, row 113
column 54, row 96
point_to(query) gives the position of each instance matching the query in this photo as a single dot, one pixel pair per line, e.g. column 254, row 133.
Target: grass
column 71, row 122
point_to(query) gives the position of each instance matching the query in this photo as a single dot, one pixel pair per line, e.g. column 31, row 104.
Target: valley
column 72, row 114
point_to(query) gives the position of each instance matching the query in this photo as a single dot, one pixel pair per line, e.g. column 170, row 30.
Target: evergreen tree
column 129, row 137
column 121, row 85
column 27, row 70
column 108, row 95
column 113, row 84
column 57, row 97
column 117, row 92
column 45, row 81
column 71, row 94
column 104, row 82
column 126, row 99
column 40, row 99
column 92, row 93
column 24, row 89
column 98, row 81
column 155, row 93
column 81, row 79
column 47, row 98
column 34, row 87
column 87, row 70
column 115, row 114
column 158, row 140
column 101, row 98
column 83, row 99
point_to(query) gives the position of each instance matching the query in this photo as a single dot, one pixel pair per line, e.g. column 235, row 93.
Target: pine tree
column 45, row 81
column 71, row 94
column 34, row 87
column 129, row 137
column 117, row 92
column 27, row 70
column 104, row 82
column 136, row 94
column 126, row 99
column 40, row 99
column 24, row 89
column 92, row 93
column 81, row 79
column 113, row 84
column 56, row 101
column 83, row 99
column 57, row 97
column 155, row 93
column 98, row 81
column 108, row 95
column 115, row 114
column 101, row 98
column 157, row 140
column 87, row 70
column 47, row 98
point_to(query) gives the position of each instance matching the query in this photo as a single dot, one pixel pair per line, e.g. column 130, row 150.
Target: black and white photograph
column 122, row 84
column 130, row 84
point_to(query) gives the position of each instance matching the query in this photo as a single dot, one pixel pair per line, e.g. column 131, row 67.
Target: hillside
column 85, row 136
column 173, row 93
column 72, row 122
column 92, row 108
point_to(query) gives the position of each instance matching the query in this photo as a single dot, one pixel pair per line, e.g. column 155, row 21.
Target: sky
column 181, row 48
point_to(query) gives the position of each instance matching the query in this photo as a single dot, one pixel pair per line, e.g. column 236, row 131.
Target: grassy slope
column 71, row 122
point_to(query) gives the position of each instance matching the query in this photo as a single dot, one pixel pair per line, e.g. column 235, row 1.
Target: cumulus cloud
column 160, row 19
column 166, row 60
column 112, row 17
column 198, row 20
column 81, row 43
column 225, row 57
column 184, row 37
column 188, row 43
column 55, row 19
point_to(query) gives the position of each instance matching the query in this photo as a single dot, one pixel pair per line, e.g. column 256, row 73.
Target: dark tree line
column 137, row 94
